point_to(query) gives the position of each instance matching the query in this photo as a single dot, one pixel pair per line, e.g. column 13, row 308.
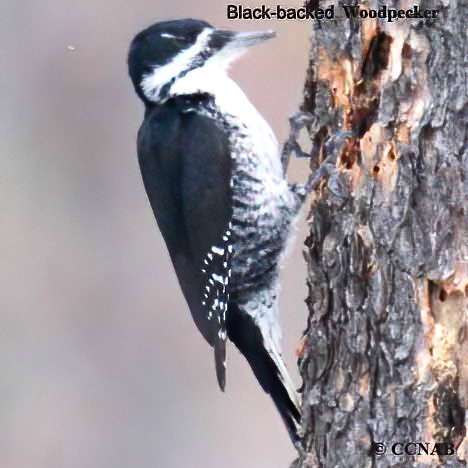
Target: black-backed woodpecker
column 213, row 175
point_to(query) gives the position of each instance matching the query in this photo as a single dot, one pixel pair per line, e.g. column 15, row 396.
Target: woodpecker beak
column 230, row 45
column 243, row 40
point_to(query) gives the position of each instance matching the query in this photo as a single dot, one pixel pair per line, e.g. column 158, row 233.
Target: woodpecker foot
column 333, row 148
column 297, row 122
column 292, row 147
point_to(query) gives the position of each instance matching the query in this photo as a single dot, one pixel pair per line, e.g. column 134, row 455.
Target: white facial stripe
column 153, row 82
column 168, row 36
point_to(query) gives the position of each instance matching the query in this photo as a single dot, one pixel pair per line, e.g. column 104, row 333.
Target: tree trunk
column 385, row 354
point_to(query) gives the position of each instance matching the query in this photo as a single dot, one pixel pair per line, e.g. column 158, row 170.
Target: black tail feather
column 220, row 362
column 246, row 335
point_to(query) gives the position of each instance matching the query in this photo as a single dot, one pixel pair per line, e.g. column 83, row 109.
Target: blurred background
column 100, row 363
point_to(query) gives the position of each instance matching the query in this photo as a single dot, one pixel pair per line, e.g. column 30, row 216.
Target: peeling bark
column 385, row 353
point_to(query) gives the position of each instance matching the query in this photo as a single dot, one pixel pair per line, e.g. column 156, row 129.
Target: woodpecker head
column 166, row 53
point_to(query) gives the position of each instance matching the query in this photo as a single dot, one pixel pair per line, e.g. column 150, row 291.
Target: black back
column 186, row 168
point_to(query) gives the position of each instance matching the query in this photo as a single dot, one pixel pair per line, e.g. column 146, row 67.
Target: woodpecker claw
column 333, row 147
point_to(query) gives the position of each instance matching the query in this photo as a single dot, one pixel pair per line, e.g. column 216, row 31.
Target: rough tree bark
column 385, row 354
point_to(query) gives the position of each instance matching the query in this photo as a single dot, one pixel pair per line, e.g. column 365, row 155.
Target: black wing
column 186, row 167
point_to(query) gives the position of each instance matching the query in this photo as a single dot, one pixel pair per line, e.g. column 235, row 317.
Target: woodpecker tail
column 220, row 362
column 267, row 365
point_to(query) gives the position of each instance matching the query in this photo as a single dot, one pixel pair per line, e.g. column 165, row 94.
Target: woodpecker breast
column 263, row 205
